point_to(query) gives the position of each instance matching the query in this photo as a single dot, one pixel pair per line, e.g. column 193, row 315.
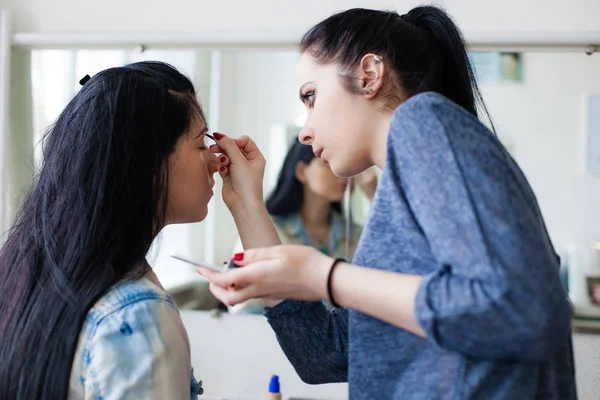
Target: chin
column 348, row 168
column 337, row 169
column 202, row 215
column 197, row 216
column 344, row 170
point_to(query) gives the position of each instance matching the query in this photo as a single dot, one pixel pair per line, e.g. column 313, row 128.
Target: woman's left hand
column 279, row 272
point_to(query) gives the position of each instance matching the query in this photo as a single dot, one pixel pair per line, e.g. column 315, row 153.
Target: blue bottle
column 274, row 391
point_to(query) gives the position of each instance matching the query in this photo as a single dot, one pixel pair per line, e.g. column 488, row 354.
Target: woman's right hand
column 242, row 167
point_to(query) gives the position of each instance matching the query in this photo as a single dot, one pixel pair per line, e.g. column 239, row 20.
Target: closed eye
column 308, row 98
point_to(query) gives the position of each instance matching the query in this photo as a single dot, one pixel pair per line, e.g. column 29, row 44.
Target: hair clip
column 84, row 80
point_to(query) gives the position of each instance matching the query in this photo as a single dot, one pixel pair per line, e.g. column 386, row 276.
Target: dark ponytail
column 424, row 48
column 456, row 75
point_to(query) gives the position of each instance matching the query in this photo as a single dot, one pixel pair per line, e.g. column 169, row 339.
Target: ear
column 300, row 168
column 372, row 70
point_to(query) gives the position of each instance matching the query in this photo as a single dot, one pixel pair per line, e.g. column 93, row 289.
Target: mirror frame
column 515, row 41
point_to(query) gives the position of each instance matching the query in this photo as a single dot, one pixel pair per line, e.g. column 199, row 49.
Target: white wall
column 541, row 117
column 284, row 16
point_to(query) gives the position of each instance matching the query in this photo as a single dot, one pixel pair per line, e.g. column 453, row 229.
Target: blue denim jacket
column 133, row 345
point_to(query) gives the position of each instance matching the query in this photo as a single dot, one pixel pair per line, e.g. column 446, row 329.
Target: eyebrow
column 302, row 88
column 204, row 132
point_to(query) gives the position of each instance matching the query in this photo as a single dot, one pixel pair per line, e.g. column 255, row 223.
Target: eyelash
column 306, row 98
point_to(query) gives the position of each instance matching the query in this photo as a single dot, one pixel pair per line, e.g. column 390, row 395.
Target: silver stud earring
column 378, row 59
column 369, row 91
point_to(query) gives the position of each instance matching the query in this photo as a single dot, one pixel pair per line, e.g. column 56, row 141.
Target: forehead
column 197, row 127
column 308, row 69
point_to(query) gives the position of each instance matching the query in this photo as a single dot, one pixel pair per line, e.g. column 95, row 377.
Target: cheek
column 190, row 179
column 174, row 177
column 330, row 116
column 337, row 121
column 200, row 178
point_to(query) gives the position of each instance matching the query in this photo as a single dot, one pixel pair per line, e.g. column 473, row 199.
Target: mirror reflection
column 538, row 102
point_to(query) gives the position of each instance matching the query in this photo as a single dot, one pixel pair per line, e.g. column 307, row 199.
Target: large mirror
column 539, row 103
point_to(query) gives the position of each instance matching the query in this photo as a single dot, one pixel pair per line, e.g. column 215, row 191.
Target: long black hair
column 288, row 194
column 89, row 218
column 424, row 48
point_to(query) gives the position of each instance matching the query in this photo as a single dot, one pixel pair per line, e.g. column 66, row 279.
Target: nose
column 306, row 135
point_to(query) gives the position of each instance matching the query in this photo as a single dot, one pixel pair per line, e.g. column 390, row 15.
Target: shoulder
column 425, row 104
column 130, row 296
column 134, row 330
column 429, row 127
column 426, row 115
column 133, row 316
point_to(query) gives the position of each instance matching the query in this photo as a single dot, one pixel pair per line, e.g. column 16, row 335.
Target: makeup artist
column 453, row 292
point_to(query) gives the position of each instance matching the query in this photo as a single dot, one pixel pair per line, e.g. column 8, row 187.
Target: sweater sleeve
column 314, row 339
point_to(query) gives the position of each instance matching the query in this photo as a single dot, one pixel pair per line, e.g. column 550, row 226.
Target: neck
column 315, row 209
column 381, row 128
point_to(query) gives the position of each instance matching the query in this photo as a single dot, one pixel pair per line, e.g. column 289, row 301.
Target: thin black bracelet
column 329, row 291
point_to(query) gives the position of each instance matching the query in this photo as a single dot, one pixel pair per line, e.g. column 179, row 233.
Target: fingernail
column 222, row 169
column 238, row 257
column 218, row 135
column 223, row 159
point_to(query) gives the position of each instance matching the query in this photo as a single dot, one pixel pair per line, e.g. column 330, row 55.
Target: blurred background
column 538, row 73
